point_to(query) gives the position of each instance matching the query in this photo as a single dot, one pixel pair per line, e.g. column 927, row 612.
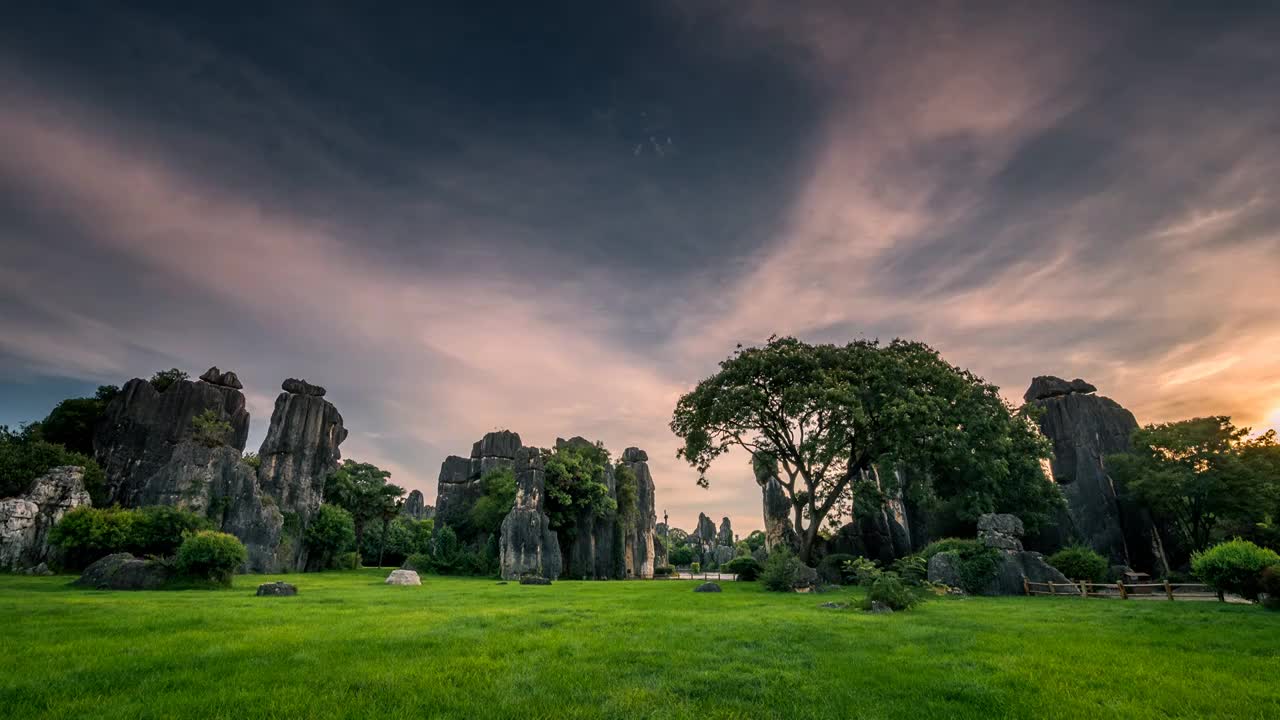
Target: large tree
column 1201, row 475
column 362, row 490
column 830, row 415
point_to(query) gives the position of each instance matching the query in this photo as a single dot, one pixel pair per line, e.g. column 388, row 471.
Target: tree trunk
column 382, row 545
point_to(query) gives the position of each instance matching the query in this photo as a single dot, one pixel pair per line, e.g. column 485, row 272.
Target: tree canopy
column 829, row 415
column 363, row 491
column 576, row 481
column 1201, row 475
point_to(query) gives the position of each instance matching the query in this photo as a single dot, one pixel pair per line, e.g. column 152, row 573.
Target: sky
column 557, row 218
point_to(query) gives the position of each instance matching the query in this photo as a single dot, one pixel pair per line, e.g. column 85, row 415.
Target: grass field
column 350, row 647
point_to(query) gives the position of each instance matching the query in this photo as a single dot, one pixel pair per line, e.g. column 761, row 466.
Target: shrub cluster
column 862, row 571
column 1080, row 563
column 977, row 565
column 664, row 571
column 1271, row 586
column 890, row 590
column 86, row 534
column 781, row 571
column 746, row 568
column 210, row 555
column 1235, row 566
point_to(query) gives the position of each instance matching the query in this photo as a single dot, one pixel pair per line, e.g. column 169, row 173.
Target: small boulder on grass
column 534, row 580
column 278, row 588
column 123, row 571
column 707, row 587
column 879, row 608
column 403, row 577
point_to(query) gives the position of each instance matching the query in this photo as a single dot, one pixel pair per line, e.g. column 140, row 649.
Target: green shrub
column 346, row 561
column 330, row 532
column 1271, row 586
column 862, row 571
column 210, row 555
column 86, row 534
column 418, row 562
column 159, row 530
column 781, row 570
column 977, row 565
column 695, row 567
column 664, row 571
column 209, row 429
column 1080, row 563
column 746, row 568
column 831, row 568
column 164, row 379
column 1235, row 566
column 681, row 555
column 889, row 590
column 913, row 569
column 25, row 456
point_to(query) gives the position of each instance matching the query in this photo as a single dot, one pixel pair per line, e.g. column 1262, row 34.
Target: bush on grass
column 746, row 568
column 1235, row 566
column 1271, row 586
column 889, row 589
column 1080, row 563
column 209, row 555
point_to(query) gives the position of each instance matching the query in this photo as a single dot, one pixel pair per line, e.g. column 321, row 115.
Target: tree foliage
column 71, row 423
column 576, row 482
column 164, row 379
column 1235, row 566
column 25, row 455
column 627, row 492
column 209, row 429
column 829, row 415
column 1200, row 474
column 330, row 532
column 498, row 495
column 363, row 491
column 210, row 555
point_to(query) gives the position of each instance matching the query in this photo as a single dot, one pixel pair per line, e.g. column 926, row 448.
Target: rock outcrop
column 597, row 550
column 298, row 453
column 403, row 577
column 1003, row 533
column 25, row 521
column 778, row 529
column 416, row 508
column 1084, row 428
column 459, row 484
column 278, row 588
column 640, row 551
column 123, row 571
column 141, row 428
column 724, row 536
column 213, row 376
column 528, row 545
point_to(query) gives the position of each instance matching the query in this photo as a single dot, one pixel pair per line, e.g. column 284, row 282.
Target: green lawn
column 350, row 647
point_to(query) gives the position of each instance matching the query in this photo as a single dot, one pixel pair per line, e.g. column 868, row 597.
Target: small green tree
column 330, row 532
column 71, row 423
column 498, row 495
column 209, row 429
column 160, row 530
column 1199, row 474
column 164, row 379
column 363, row 491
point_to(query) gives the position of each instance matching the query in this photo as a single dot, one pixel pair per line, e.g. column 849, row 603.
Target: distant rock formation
column 1084, row 428
column 528, row 544
column 416, row 508
column 298, row 453
column 25, row 520
column 778, row 529
column 141, row 428
column 640, row 552
column 725, row 535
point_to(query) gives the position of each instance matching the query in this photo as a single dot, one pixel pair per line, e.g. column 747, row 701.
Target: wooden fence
column 1122, row 591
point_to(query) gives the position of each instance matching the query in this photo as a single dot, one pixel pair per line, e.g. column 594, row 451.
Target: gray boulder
column 123, row 571
column 41, row 570
column 1015, row 566
column 879, row 608
column 278, row 588
column 707, row 587
column 534, row 580
column 1048, row 386
column 403, row 577
column 944, row 568
column 301, row 387
column 25, row 521
column 527, row 544
column 1001, row 531
column 213, row 376
column 298, row 453
column 141, row 427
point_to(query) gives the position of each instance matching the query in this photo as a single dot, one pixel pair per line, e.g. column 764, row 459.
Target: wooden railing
column 1121, row 590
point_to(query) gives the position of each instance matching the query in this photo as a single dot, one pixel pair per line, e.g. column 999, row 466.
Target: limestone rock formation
column 597, row 552
column 25, row 521
column 1002, row 532
column 123, row 571
column 1084, row 428
column 725, row 535
column 141, row 428
column 778, row 529
column 301, row 387
column 298, row 453
column 403, row 577
column 213, row 376
column 416, row 508
column 528, row 545
column 640, row 552
column 278, row 588
column 459, row 484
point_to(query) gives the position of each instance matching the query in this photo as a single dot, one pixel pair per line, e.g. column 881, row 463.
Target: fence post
column 1124, row 594
column 1051, row 590
column 1026, row 589
column 1168, row 589
column 1084, row 589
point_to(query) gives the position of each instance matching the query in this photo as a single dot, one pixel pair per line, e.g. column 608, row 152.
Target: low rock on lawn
column 403, row 577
